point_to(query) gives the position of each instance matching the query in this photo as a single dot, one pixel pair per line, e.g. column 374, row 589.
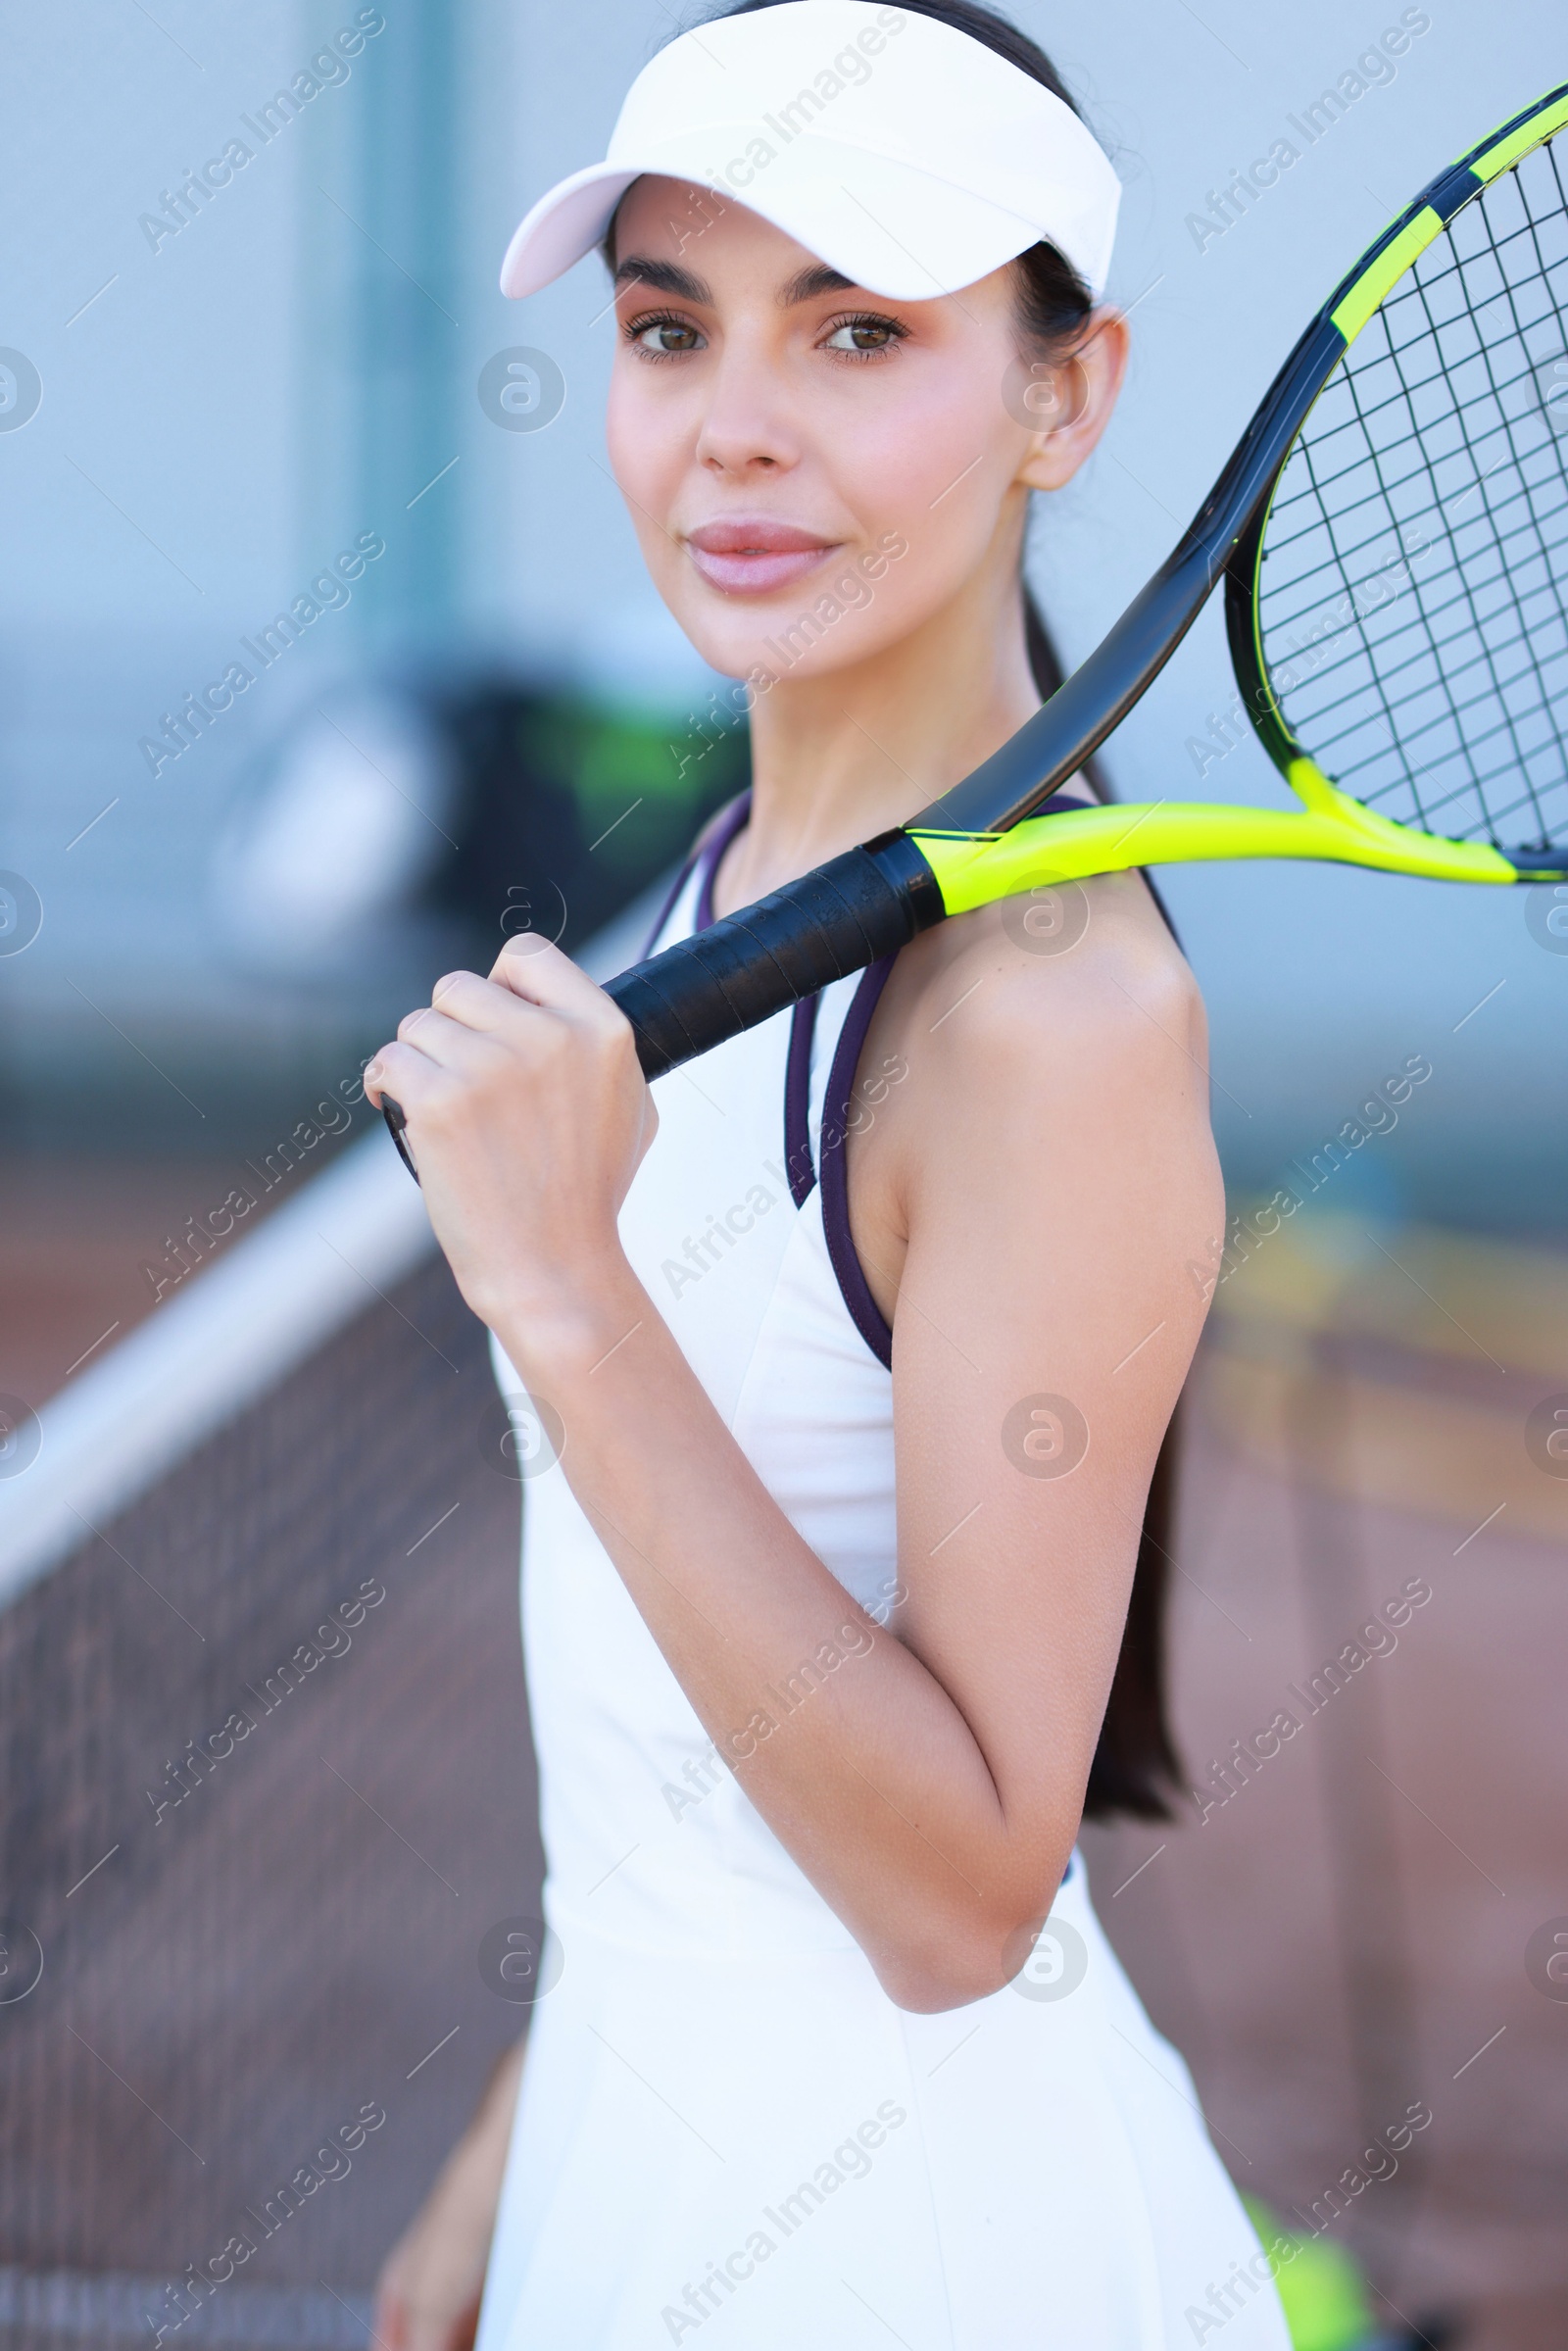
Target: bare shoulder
column 1020, row 1078
column 1032, row 1161
column 1033, row 993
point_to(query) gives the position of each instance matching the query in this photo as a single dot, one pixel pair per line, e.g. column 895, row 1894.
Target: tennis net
column 267, row 1784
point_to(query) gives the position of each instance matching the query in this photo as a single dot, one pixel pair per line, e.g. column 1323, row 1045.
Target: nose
column 746, row 427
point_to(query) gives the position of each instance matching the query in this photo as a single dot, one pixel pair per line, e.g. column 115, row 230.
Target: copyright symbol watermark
column 521, row 1960
column 517, row 914
column 1048, row 920
column 21, row 1437
column 1046, row 1436
column 1547, row 915
column 21, row 1961
column 1043, row 395
column 1546, row 1959
column 1547, row 1435
column 522, row 390
column 20, row 913
column 1551, row 386
column 20, row 390
column 522, row 1436
column 1056, row 1963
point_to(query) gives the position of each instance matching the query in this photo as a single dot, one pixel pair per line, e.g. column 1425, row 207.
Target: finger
column 479, row 1004
column 531, row 968
column 403, row 1072
column 444, row 1040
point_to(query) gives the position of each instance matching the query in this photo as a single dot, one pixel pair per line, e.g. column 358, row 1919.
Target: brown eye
column 666, row 338
column 864, row 337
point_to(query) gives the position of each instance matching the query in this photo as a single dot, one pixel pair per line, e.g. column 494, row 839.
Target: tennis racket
column 1393, row 533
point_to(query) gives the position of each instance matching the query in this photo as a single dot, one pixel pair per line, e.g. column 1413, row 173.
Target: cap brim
column 945, row 236
column 564, row 224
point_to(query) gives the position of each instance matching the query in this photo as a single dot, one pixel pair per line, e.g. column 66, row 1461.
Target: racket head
column 1397, row 606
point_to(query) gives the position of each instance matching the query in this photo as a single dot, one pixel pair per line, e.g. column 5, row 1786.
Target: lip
column 751, row 555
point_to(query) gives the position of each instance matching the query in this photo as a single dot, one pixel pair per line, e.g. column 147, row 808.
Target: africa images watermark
column 851, row 592
column 703, row 1252
column 850, row 2160
column 705, row 1772
column 327, row 70
column 851, row 1639
column 200, row 1237
column 1306, row 1174
column 1374, row 67
column 852, row 67
column 183, row 2300
column 329, row 592
column 1291, row 664
column 1379, row 2162
column 1377, row 1637
column 331, row 1638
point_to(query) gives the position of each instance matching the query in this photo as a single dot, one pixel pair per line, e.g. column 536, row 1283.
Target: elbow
column 926, row 1977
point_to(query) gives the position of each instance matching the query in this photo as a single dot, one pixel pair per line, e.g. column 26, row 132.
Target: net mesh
column 252, row 1944
column 1414, row 571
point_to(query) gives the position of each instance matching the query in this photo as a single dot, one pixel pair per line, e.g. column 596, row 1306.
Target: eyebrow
column 810, row 284
column 665, row 278
column 668, row 277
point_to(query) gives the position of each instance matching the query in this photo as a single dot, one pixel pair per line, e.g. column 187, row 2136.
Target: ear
column 1074, row 402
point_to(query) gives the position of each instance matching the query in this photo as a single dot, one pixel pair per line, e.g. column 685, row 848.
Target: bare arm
column 1047, row 1173
column 427, row 2296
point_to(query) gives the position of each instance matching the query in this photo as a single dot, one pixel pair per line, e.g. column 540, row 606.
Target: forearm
column 485, row 2142
column 428, row 2293
column 848, row 1745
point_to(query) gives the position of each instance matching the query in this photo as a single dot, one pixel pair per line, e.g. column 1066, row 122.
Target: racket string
column 1513, row 454
column 1421, row 615
column 1418, row 649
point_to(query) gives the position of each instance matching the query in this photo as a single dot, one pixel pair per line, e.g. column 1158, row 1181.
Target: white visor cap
column 909, row 156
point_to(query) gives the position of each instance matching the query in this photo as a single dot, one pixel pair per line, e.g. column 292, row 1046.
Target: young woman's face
column 815, row 472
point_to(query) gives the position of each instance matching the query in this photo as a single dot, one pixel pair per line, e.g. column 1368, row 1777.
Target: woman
column 852, row 1346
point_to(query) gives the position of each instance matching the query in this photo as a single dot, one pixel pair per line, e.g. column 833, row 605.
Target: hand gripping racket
column 1393, row 533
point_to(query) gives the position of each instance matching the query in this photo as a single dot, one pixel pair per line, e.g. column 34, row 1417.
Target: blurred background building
column 327, row 658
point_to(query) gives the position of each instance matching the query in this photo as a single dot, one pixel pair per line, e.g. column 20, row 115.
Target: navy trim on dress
column 797, row 1100
column 726, row 825
column 671, row 896
column 862, row 1308
column 864, row 1312
column 853, row 1289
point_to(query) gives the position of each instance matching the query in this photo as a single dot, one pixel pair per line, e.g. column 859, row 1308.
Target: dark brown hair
column 1135, row 1761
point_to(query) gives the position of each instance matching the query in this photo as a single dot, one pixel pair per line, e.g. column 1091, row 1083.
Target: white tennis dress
column 727, row 2133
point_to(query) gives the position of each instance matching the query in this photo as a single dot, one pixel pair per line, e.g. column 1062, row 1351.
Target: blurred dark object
column 567, row 810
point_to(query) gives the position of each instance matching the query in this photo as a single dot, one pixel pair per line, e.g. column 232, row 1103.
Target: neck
column 839, row 757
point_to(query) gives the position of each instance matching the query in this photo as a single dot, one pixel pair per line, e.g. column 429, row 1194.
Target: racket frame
column 1355, row 302
column 982, row 839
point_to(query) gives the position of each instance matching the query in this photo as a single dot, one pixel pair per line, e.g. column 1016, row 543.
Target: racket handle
column 841, row 917
column 397, row 1126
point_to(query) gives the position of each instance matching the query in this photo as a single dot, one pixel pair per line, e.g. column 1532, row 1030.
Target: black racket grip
column 846, row 914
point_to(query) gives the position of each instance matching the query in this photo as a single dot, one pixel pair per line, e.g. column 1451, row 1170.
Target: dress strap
column 864, row 1312
column 862, row 1308
column 798, row 1102
column 731, row 820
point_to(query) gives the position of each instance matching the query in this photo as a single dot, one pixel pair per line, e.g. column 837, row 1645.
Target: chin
column 785, row 636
